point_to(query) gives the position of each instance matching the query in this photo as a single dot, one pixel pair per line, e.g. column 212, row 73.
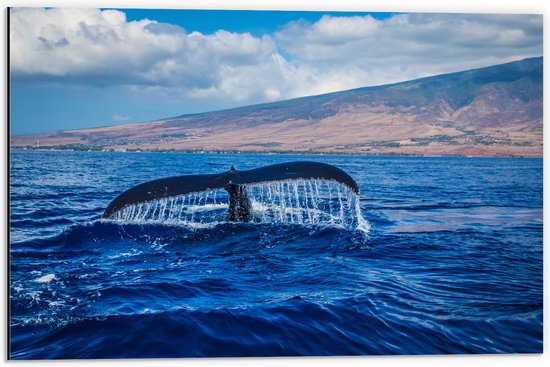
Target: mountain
column 492, row 111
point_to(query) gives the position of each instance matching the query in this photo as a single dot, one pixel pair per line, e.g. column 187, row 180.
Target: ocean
column 451, row 262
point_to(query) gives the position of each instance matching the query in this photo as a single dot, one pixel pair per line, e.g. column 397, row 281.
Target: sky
column 83, row 67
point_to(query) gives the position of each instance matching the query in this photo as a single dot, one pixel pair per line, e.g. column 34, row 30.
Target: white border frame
column 429, row 6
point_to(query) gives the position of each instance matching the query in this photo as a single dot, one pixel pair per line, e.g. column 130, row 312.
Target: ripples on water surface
column 453, row 263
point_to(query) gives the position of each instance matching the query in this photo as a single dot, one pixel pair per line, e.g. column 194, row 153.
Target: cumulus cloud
column 365, row 51
column 100, row 47
column 97, row 47
column 86, row 45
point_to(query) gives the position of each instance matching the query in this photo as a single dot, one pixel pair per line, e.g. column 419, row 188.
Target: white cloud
column 85, row 45
column 101, row 47
column 120, row 118
column 90, row 46
column 363, row 51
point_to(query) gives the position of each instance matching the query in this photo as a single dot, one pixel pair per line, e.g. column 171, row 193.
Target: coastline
column 272, row 152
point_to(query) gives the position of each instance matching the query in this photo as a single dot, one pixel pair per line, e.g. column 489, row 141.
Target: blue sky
column 256, row 22
column 79, row 68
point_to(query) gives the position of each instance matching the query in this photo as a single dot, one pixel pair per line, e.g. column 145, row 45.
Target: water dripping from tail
column 195, row 210
column 317, row 202
column 307, row 202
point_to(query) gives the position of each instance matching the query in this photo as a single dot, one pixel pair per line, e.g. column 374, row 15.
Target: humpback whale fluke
column 233, row 181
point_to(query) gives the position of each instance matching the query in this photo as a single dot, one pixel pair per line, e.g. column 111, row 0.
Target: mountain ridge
column 490, row 111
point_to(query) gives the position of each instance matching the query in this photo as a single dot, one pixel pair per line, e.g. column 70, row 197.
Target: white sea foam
column 56, row 303
column 45, row 279
column 133, row 252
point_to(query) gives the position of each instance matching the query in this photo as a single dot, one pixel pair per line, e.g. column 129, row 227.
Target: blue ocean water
column 453, row 263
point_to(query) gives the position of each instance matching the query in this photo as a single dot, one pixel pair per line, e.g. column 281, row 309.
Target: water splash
column 305, row 202
column 202, row 207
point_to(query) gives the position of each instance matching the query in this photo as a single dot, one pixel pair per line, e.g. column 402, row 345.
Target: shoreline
column 267, row 152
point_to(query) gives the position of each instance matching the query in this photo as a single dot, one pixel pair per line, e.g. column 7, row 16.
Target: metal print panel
column 193, row 183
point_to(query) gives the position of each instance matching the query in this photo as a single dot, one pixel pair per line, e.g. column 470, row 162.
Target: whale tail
column 233, row 181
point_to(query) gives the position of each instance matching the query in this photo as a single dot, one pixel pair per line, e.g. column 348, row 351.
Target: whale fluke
column 233, row 181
